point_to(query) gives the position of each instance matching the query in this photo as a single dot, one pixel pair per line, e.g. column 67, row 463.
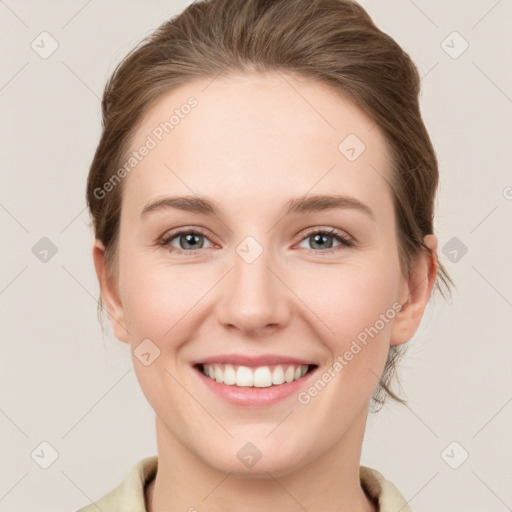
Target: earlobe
column 416, row 293
column 109, row 293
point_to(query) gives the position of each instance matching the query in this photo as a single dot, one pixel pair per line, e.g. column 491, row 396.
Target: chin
column 246, row 460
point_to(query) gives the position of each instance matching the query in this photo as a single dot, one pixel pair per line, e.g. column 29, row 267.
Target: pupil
column 320, row 238
column 189, row 238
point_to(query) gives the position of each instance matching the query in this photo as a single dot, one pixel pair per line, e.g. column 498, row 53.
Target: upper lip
column 252, row 361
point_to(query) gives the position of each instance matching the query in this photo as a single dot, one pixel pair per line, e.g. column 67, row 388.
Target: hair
column 333, row 42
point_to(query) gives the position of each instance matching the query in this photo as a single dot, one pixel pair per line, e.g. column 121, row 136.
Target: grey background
column 61, row 383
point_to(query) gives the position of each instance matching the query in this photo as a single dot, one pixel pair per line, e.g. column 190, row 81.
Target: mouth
column 269, row 376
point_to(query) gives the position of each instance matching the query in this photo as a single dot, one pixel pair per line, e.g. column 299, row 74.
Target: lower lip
column 251, row 396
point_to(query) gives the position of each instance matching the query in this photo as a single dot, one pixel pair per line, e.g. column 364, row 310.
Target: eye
column 321, row 239
column 187, row 241
column 190, row 241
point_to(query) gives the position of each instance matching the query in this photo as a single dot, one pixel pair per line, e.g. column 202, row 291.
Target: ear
column 109, row 293
column 415, row 293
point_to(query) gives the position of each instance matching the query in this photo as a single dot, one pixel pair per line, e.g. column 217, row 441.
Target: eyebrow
column 299, row 205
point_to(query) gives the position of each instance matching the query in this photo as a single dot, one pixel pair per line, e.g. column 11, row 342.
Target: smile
column 258, row 377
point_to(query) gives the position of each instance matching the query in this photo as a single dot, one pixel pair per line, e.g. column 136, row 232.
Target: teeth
column 289, row 374
column 219, row 377
column 260, row 377
column 244, row 376
column 229, row 375
column 278, row 375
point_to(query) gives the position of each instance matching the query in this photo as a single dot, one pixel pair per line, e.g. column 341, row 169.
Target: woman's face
column 251, row 284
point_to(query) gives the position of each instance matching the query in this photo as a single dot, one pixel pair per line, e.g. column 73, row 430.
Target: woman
column 262, row 200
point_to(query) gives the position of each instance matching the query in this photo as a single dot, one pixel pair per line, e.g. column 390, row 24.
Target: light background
column 63, row 384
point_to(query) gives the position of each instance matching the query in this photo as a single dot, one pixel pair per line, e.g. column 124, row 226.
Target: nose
column 254, row 298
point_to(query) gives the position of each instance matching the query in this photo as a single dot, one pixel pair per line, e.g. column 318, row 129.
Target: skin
column 252, row 143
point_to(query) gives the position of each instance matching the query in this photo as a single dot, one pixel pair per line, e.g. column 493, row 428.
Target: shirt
column 129, row 495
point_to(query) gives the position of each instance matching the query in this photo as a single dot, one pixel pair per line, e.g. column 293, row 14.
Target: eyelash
column 337, row 235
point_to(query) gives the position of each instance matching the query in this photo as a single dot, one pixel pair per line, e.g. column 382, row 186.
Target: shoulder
column 382, row 491
column 128, row 496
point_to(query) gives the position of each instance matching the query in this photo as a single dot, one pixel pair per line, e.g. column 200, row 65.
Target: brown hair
column 334, row 42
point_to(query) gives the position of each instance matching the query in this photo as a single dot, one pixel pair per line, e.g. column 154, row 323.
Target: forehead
column 257, row 139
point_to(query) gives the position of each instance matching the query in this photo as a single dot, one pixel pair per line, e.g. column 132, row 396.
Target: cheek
column 347, row 299
column 155, row 292
column 357, row 307
column 159, row 306
column 156, row 297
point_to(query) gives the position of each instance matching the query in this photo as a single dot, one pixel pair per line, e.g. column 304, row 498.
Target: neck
column 329, row 482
